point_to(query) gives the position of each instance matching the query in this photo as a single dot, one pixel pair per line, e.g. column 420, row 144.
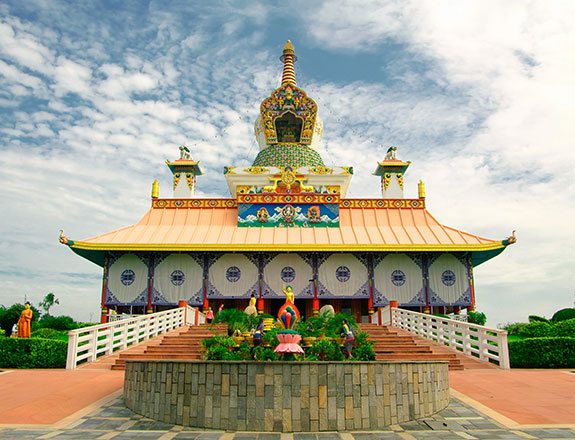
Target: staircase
column 184, row 344
column 391, row 343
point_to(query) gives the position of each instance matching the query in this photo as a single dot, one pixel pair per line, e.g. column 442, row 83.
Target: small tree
column 49, row 301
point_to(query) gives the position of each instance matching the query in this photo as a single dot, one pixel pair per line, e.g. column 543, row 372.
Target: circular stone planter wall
column 286, row 396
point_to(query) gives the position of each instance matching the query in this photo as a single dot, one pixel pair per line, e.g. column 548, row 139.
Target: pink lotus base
column 288, row 343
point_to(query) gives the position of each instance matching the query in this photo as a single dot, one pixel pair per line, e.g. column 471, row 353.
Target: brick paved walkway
column 114, row 421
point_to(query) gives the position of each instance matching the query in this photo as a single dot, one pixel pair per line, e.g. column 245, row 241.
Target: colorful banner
column 288, row 215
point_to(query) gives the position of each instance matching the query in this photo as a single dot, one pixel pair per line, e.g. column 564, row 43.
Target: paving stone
column 150, row 425
column 139, row 435
column 385, row 435
column 551, row 433
column 102, row 424
column 496, row 434
column 76, row 435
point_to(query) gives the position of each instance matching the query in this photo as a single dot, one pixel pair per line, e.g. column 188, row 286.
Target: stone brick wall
column 286, row 396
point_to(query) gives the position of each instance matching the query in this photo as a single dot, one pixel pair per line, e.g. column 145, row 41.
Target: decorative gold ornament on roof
column 288, row 115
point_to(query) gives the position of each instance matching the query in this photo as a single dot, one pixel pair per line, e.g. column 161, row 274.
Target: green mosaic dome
column 282, row 156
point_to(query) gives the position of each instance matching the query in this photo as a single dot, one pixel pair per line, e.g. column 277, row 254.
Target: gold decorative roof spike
column 289, row 59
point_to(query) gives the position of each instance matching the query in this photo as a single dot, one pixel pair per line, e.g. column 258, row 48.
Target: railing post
column 72, row 350
column 504, row 362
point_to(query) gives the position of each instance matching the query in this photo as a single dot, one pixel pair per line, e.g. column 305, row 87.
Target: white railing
column 487, row 344
column 88, row 343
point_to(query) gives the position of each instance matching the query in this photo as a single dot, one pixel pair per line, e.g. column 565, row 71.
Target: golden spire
column 289, row 59
column 155, row 189
column 421, row 189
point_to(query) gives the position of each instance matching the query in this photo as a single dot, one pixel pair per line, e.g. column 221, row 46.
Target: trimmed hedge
column 542, row 353
column 536, row 329
column 565, row 328
column 32, row 353
column 563, row 315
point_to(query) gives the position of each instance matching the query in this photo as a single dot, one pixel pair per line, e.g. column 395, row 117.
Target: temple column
column 315, row 302
column 260, row 304
column 471, row 284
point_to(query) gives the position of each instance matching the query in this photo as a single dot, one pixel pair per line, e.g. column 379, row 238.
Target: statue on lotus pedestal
column 288, row 316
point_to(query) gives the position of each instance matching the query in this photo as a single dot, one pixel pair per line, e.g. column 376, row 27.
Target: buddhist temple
column 288, row 221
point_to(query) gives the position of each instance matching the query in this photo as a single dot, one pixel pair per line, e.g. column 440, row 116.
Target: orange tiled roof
column 215, row 229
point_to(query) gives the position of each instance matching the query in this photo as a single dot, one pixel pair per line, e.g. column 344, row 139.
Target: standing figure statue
column 24, row 322
column 251, row 308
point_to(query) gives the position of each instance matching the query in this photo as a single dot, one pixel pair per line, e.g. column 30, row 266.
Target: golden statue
column 24, row 322
column 288, row 292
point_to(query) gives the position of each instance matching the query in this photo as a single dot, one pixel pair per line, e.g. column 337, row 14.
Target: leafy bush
column 333, row 324
column 515, row 328
column 563, row 315
column 2, row 332
column 271, row 337
column 224, row 341
column 363, row 349
column 324, row 350
column 220, row 353
column 58, row 322
column 536, row 329
column 478, row 318
column 542, row 353
column 50, row 333
column 32, row 353
column 564, row 328
column 535, row 318
column 235, row 319
column 265, row 354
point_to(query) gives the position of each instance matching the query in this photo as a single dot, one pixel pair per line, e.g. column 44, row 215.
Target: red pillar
column 150, row 308
column 104, row 316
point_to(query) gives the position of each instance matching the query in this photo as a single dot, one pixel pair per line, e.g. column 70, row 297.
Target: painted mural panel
column 287, row 269
column 398, row 277
column 288, row 215
column 342, row 276
column 127, row 281
column 233, row 276
column 449, row 281
column 176, row 277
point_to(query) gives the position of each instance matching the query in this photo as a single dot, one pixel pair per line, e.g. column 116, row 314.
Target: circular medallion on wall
column 177, row 277
column 342, row 273
column 448, row 278
column 398, row 277
column 127, row 277
column 233, row 274
column 288, row 274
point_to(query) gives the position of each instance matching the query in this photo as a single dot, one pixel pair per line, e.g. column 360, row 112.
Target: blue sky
column 94, row 96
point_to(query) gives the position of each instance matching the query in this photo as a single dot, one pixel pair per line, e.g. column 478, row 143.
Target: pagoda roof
column 366, row 225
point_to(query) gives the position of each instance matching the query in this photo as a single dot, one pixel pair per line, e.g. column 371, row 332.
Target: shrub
column 224, row 341
column 265, row 354
column 234, row 318
column 535, row 318
column 32, row 353
column 515, row 328
column 333, row 324
column 542, row 353
column 478, row 318
column 220, row 353
column 564, row 328
column 563, row 315
column 58, row 322
column 50, row 333
column 536, row 330
column 363, row 349
column 2, row 332
column 325, row 350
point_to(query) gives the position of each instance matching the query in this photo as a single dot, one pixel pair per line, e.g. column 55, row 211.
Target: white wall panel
column 176, row 277
column 232, row 276
column 343, row 276
column 127, row 281
column 448, row 281
column 399, row 278
column 288, row 269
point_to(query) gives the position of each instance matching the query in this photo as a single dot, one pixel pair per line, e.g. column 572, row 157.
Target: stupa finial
column 289, row 59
